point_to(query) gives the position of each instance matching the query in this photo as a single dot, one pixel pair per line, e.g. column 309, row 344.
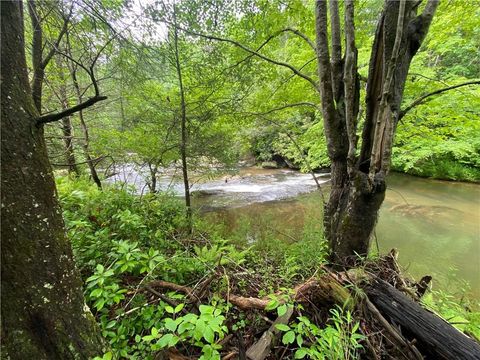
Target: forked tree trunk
column 44, row 315
column 358, row 182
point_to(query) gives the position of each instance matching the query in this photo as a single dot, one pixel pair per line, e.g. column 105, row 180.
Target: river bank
column 434, row 224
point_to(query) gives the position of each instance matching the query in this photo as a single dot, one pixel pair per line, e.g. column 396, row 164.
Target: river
column 435, row 225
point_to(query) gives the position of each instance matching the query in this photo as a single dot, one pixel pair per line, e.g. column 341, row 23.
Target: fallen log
column 412, row 326
column 433, row 336
column 325, row 290
column 261, row 349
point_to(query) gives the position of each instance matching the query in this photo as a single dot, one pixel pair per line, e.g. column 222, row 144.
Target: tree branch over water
column 426, row 98
column 257, row 54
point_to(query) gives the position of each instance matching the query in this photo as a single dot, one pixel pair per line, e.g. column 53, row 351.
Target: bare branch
column 255, row 53
column 303, row 36
column 60, row 115
column 66, row 21
column 300, row 152
column 96, row 161
column 429, row 11
column 425, row 98
column 304, row 103
column 418, row 27
column 295, row 31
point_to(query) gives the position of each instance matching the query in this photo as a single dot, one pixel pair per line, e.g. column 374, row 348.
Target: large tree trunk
column 44, row 315
column 358, row 183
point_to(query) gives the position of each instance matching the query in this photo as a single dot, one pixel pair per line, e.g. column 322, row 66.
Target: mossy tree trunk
column 358, row 174
column 44, row 315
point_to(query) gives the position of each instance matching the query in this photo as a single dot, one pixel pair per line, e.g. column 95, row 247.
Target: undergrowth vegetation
column 125, row 244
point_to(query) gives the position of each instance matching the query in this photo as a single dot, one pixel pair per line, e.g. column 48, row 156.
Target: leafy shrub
column 339, row 340
column 97, row 220
column 203, row 331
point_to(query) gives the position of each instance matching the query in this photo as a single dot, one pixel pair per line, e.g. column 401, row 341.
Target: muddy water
column 435, row 225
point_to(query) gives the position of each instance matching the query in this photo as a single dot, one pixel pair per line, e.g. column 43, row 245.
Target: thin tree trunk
column 67, row 128
column 152, row 184
column 86, row 138
column 68, row 144
column 184, row 133
column 44, row 315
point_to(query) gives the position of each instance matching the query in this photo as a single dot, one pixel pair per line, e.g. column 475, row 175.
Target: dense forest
column 204, row 179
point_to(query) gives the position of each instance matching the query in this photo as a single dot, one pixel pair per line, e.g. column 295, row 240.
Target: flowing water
column 434, row 224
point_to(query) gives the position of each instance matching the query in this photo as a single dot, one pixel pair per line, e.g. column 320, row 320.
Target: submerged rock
column 207, row 192
column 269, row 165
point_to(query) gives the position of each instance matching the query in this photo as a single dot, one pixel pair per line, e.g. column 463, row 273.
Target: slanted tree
column 44, row 315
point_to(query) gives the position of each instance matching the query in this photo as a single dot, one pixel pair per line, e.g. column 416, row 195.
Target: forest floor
column 161, row 290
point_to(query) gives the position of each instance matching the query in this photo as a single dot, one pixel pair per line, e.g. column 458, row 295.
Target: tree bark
column 436, row 338
column 44, row 315
column 37, row 50
column 39, row 61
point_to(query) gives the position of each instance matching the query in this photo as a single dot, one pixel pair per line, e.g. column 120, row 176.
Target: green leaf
column 170, row 324
column 169, row 309
column 165, row 340
column 184, row 326
column 281, row 310
column 299, row 340
column 282, row 327
column 96, row 293
column 206, row 309
column 300, row 353
column 288, row 337
column 173, row 341
column 199, row 329
column 99, row 304
column 209, row 335
column 272, row 305
column 154, row 331
column 179, row 308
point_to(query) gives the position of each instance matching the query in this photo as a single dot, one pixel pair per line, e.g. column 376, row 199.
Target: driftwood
column 261, row 349
column 432, row 335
